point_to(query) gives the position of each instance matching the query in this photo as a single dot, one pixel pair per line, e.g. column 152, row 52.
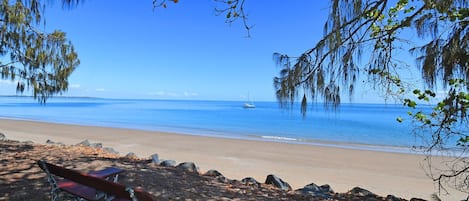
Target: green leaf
column 399, row 119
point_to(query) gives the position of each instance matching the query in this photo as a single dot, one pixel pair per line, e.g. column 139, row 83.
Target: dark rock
column 110, row 150
column 2, row 137
column 326, row 188
column 84, row 143
column 277, row 182
column 131, row 155
column 96, row 145
column 216, row 174
column 324, row 191
column 393, row 198
column 155, row 159
column 49, row 141
column 213, row 173
column 417, row 199
column 188, row 166
column 250, row 181
column 168, row 163
column 362, row 192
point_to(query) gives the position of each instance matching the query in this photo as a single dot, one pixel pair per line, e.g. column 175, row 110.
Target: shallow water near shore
column 364, row 126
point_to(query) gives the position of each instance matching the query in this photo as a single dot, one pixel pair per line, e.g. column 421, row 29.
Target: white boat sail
column 249, row 104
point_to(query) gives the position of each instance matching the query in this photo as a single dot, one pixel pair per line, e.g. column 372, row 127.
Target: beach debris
column 2, row 137
column 110, row 150
column 324, row 191
column 277, row 182
column 84, row 143
column 188, row 166
column 155, row 159
column 168, row 163
column 131, row 155
column 249, row 181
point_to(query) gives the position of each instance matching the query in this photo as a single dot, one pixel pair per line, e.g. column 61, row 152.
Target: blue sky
column 129, row 50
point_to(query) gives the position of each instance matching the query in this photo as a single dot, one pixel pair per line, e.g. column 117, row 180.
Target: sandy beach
column 380, row 172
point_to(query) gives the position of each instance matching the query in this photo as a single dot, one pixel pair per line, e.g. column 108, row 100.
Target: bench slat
column 108, row 172
column 78, row 190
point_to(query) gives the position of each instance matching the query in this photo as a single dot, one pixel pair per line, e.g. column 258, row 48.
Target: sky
column 128, row 49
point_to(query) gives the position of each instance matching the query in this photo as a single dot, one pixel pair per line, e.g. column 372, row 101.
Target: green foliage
column 330, row 69
column 37, row 61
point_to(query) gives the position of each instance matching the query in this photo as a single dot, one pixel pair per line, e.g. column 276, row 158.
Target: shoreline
column 251, row 137
column 383, row 173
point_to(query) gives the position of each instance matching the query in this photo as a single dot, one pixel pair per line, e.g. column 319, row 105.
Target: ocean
column 370, row 126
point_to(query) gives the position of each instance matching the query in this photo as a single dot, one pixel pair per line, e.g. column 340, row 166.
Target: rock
column 324, row 191
column 213, row 173
column 362, row 192
column 250, row 181
column 28, row 142
column 49, row 141
column 131, row 155
column 110, row 150
column 96, row 145
column 188, row 166
column 393, row 198
column 2, row 137
column 277, row 182
column 326, row 188
column 216, row 174
column 84, row 143
column 418, row 199
column 168, row 163
column 155, row 159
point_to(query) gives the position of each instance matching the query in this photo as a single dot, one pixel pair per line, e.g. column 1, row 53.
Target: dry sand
column 380, row 172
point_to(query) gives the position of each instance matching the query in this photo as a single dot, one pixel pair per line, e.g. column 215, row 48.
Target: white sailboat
column 249, row 104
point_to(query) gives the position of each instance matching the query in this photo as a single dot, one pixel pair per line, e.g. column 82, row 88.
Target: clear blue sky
column 129, row 50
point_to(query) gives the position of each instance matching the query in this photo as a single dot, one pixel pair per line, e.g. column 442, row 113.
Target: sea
column 357, row 125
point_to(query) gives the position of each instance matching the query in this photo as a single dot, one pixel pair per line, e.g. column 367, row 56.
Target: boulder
column 131, row 155
column 419, row 199
column 250, row 181
column 188, row 166
column 155, row 159
column 96, row 145
column 324, row 191
column 168, row 163
column 216, row 174
column 361, row 192
column 213, row 173
column 110, row 150
column 84, row 143
column 2, row 137
column 393, row 198
column 277, row 182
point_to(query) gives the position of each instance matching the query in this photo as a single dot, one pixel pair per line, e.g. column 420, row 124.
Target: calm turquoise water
column 370, row 124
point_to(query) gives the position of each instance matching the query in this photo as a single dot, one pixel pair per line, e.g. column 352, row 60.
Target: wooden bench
column 90, row 186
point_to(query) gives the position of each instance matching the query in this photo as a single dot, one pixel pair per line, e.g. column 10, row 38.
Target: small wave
column 279, row 138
